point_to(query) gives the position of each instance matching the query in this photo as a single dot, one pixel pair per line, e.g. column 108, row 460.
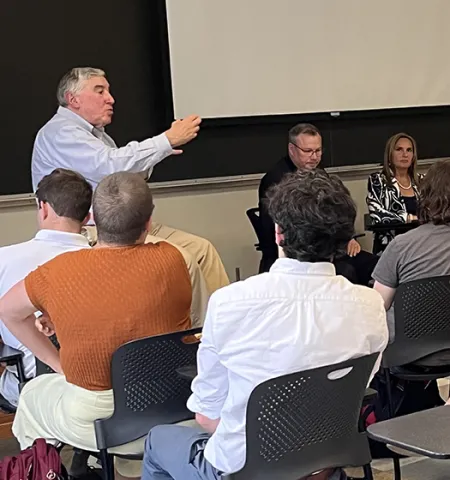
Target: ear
column 148, row 225
column 72, row 100
column 291, row 150
column 86, row 220
column 279, row 236
column 44, row 210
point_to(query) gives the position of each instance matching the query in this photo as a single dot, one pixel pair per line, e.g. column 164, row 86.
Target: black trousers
column 356, row 269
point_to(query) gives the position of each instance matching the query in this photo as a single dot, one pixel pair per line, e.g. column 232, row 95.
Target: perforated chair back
column 41, row 367
column 147, row 389
column 304, row 422
column 253, row 216
column 422, row 321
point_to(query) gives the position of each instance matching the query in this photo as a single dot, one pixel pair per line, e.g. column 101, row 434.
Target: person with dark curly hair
column 295, row 317
column 422, row 252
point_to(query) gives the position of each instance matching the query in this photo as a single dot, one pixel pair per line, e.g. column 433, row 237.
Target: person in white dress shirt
column 75, row 138
column 64, row 199
column 300, row 315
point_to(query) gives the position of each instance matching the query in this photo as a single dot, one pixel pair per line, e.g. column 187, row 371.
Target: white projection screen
column 266, row 57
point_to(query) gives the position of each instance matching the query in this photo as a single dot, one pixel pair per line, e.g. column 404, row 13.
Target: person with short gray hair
column 122, row 206
column 75, row 138
column 73, row 81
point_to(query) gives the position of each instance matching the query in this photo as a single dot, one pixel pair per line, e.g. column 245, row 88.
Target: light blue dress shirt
column 69, row 141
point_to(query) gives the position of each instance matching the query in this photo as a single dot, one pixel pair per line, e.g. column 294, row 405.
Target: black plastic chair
column 305, row 422
column 11, row 357
column 421, row 348
column 253, row 216
column 41, row 367
column 148, row 391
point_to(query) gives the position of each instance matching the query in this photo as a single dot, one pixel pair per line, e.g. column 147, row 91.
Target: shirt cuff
column 163, row 145
column 194, row 405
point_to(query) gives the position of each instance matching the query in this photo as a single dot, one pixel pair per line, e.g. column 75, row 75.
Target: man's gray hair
column 300, row 128
column 73, row 81
column 123, row 205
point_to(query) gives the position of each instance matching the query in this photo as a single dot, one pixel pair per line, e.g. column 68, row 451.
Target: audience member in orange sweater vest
column 96, row 300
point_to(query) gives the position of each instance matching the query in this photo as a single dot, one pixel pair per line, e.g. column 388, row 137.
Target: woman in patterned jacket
column 392, row 194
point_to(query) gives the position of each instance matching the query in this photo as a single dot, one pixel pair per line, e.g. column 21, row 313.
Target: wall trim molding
column 220, row 183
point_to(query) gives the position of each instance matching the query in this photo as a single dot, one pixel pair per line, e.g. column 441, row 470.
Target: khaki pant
column 200, row 294
column 202, row 251
column 53, row 409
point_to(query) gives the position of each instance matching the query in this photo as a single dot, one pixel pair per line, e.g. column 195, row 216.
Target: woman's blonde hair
column 388, row 166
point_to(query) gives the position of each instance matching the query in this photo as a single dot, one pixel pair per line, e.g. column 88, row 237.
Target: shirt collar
column 295, row 267
column 66, row 113
column 64, row 238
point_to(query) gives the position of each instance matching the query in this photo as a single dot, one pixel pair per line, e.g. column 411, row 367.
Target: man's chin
column 107, row 119
column 311, row 166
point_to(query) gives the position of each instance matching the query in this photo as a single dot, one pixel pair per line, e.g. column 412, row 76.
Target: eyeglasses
column 318, row 152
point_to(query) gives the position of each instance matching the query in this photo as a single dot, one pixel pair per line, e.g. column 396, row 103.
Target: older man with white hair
column 75, row 138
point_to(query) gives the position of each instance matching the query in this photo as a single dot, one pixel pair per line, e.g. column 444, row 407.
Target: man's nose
column 110, row 99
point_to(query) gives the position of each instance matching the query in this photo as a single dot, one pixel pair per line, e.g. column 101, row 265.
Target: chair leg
column 397, row 470
column 21, row 372
column 368, row 475
column 107, row 465
column 387, row 376
column 79, row 466
column 396, row 460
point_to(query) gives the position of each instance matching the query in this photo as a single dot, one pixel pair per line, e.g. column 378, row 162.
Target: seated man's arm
column 353, row 248
column 386, row 272
column 206, row 423
column 210, row 387
column 386, row 292
column 17, row 312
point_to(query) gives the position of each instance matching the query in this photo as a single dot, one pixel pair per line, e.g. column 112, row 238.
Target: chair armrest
column 369, row 396
column 9, row 354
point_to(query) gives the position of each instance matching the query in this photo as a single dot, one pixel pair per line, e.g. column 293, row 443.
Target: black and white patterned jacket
column 386, row 205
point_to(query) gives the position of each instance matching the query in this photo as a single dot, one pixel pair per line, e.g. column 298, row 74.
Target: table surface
column 425, row 433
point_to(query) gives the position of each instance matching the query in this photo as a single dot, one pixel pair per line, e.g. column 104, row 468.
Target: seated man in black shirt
column 305, row 151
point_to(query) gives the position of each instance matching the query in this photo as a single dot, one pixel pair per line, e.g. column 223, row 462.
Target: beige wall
column 216, row 213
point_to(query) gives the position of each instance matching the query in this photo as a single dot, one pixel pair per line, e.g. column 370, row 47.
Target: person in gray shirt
column 423, row 252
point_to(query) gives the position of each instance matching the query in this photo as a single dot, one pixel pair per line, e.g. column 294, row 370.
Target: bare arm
column 386, row 292
column 17, row 312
